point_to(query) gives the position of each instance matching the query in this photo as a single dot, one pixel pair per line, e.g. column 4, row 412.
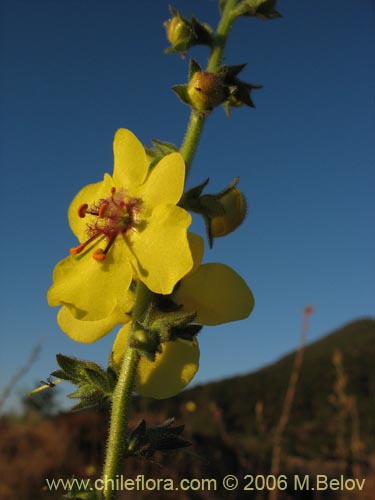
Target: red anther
column 113, row 190
column 82, row 210
column 102, row 209
column 75, row 250
column 99, row 255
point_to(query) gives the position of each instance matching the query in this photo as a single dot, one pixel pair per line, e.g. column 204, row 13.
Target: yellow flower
column 127, row 225
column 218, row 295
column 214, row 291
column 191, row 406
column 171, row 371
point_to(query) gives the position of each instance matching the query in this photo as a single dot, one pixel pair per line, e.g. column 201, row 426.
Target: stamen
column 100, row 254
column 102, row 209
column 113, row 190
column 82, row 246
column 82, row 210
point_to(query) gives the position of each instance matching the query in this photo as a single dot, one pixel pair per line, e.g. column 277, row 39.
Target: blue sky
column 74, row 71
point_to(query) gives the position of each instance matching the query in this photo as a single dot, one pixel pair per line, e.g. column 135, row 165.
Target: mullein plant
column 137, row 266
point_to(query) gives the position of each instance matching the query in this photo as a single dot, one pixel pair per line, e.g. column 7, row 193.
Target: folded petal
column 130, row 161
column 86, row 330
column 169, row 374
column 217, row 293
column 92, row 287
column 165, row 184
column 160, row 252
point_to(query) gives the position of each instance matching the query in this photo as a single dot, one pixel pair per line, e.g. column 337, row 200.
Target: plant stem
column 125, row 384
column 197, row 120
column 121, row 400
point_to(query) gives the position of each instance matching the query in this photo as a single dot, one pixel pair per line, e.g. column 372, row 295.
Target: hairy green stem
column 197, row 120
column 121, row 400
column 125, row 385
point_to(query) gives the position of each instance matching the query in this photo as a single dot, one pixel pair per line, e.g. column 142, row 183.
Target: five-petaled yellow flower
column 127, row 225
column 217, row 294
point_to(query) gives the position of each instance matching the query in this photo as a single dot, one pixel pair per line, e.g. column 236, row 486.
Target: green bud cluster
column 164, row 322
column 183, row 33
column 207, row 90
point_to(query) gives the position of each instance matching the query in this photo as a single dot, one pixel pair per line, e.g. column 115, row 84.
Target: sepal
column 263, row 9
column 168, row 325
column 239, row 92
column 182, row 93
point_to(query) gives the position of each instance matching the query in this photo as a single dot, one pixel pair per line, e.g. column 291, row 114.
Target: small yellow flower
column 234, row 204
column 127, row 225
column 217, row 294
column 191, row 406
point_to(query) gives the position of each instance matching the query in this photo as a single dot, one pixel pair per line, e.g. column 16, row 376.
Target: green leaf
column 85, row 391
column 144, row 441
column 98, row 380
column 137, row 437
column 62, row 374
column 70, row 365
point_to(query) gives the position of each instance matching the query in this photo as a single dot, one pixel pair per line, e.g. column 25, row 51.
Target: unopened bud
column 206, row 91
column 179, row 32
column 234, row 204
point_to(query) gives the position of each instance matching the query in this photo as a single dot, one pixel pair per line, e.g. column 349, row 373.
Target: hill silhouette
column 230, row 424
column 312, row 429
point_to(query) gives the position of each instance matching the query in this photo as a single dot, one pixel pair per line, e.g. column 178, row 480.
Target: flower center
column 111, row 216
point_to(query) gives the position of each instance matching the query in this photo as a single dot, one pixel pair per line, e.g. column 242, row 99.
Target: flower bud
column 179, row 32
column 234, row 204
column 206, row 90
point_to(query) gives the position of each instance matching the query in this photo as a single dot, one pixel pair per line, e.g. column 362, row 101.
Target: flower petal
column 86, row 330
column 196, row 244
column 92, row 287
column 169, row 374
column 217, row 293
column 130, row 162
column 89, row 195
column 160, row 253
column 165, row 184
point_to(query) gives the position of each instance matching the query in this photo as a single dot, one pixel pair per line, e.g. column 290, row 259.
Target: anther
column 75, row 250
column 99, row 255
column 82, row 209
column 113, row 190
column 102, row 209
